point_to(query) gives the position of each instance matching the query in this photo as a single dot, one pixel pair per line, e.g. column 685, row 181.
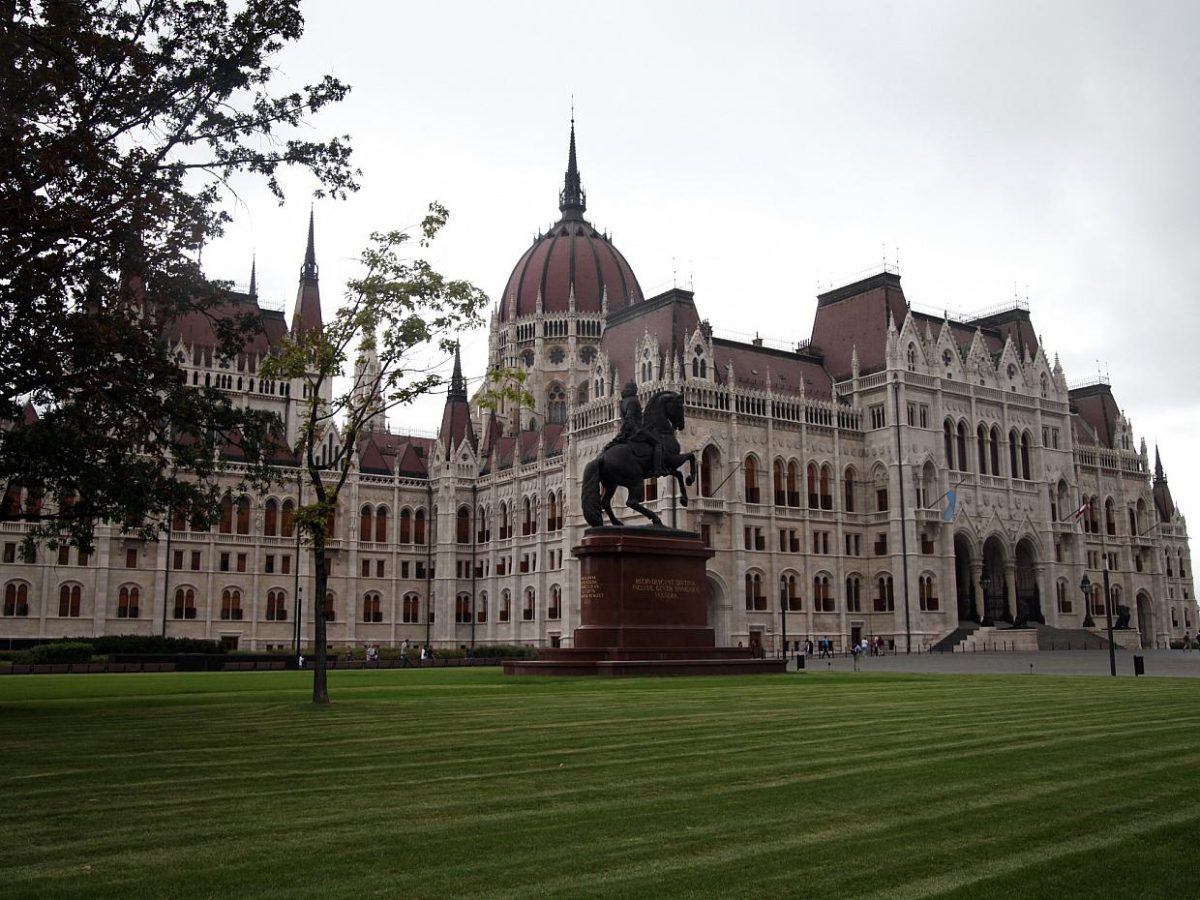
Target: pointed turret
column 573, row 200
column 1162, row 494
column 306, row 316
column 253, row 277
column 456, row 416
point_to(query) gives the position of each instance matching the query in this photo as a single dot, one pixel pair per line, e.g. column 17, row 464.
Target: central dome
column 572, row 255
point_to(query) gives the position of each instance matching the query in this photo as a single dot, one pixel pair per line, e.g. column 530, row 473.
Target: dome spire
column 573, row 199
column 309, row 272
column 458, row 384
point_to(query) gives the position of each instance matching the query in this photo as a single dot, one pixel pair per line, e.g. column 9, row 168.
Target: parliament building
column 927, row 480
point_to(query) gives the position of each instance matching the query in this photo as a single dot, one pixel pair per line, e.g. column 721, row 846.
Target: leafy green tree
column 122, row 123
column 403, row 313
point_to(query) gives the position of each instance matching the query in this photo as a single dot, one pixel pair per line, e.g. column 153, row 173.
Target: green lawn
column 459, row 782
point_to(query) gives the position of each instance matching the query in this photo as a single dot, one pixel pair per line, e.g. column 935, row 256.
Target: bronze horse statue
column 628, row 463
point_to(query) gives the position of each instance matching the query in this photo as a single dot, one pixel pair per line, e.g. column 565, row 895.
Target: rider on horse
column 632, row 432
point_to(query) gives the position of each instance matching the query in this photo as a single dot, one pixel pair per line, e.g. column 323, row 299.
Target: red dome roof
column 571, row 253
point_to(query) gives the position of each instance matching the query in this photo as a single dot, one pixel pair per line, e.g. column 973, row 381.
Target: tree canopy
column 122, row 124
column 403, row 317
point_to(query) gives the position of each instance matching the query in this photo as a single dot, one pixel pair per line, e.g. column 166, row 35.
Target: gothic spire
column 309, row 272
column 1158, row 469
column 573, row 200
column 253, row 277
column 458, row 384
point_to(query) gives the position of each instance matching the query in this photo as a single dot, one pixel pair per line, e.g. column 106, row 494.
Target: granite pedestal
column 643, row 611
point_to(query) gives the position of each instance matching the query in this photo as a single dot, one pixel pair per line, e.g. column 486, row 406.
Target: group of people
column 824, row 648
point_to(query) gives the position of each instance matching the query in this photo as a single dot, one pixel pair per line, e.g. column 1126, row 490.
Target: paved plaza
column 1159, row 663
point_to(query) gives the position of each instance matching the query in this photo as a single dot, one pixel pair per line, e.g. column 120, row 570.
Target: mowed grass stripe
column 428, row 783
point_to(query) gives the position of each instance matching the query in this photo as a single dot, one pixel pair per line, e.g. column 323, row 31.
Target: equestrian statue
column 645, row 447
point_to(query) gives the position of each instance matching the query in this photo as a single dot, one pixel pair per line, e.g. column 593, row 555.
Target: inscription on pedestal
column 664, row 588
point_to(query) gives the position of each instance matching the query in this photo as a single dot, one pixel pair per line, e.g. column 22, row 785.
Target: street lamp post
column 1086, row 586
column 985, row 582
column 1112, row 649
column 784, row 599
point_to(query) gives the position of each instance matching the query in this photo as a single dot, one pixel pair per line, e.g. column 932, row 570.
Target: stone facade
column 824, row 473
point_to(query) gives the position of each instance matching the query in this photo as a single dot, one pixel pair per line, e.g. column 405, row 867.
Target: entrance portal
column 1145, row 620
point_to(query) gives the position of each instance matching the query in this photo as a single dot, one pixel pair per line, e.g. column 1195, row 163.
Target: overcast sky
column 762, row 152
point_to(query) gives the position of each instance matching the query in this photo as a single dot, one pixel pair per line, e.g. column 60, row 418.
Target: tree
column 121, row 127
column 397, row 312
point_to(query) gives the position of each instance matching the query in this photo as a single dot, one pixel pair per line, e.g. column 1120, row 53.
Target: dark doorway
column 968, row 607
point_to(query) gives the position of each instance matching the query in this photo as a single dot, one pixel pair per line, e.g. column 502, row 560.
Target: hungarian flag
column 1087, row 504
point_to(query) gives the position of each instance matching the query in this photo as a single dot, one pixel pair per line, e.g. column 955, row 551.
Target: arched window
column 231, row 604
column 822, row 599
column 331, row 523
column 994, row 449
column 1025, row 455
column 826, row 491
column 885, row 599
column 329, row 608
column 981, row 440
column 556, row 405
column 710, row 462
column 69, row 600
column 243, row 515
column 527, row 610
column 462, row 526
column 505, row 606
column 793, row 483
column 962, row 446
column 226, row 523
column 527, row 520
column 185, row 604
column 372, row 607
column 1110, row 517
column 1014, row 470
column 751, row 473
column 179, row 519
column 127, row 602
column 756, row 600
column 276, row 606
column 848, row 488
column 853, row 593
column 410, row 609
column 1045, row 386
column 364, row 524
column 581, row 394
column 406, row 518
column 287, row 519
column 777, row 482
column 16, row 599
column 554, row 610
column 462, row 609
column 948, row 440
column 419, row 527
column 481, row 608
column 271, row 518
column 552, row 515
column 381, row 525
column 789, row 593
column 912, row 357
column 927, row 593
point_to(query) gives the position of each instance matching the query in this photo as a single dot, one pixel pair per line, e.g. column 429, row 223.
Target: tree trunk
column 320, row 693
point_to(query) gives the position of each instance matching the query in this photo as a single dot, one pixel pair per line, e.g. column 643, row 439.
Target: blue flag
column 951, row 506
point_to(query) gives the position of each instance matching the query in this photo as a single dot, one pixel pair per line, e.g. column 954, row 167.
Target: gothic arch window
column 814, row 500
column 381, row 525
column 981, row 440
column 927, row 593
column 699, row 363
column 329, row 607
column 710, row 462
column 822, row 598
column 647, row 365
column 276, row 606
column 751, row 478
column 848, row 489
column 271, row 518
column 462, row 609
column 853, row 593
column 231, row 604
column 793, row 483
column 419, row 526
column 505, row 606
column 185, row 604
column 127, row 602
column 481, row 608
column 16, row 599
column 70, row 598
column 372, row 607
column 885, row 597
column 961, row 444
column 243, row 515
column 1045, row 386
column 410, row 609
column 287, row 519
column 789, row 592
column 912, row 357
column 527, row 611
column 1110, row 517
column 948, row 440
column 756, row 600
column 1025, row 455
column 405, row 536
column 994, row 449
column 225, row 525
column 777, row 482
column 462, row 525
column 556, row 405
column 1014, row 469
column 364, row 524
column 581, row 394
column 826, row 488
column 554, row 609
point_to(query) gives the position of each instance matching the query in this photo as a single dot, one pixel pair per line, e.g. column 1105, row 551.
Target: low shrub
column 153, row 644
column 58, row 652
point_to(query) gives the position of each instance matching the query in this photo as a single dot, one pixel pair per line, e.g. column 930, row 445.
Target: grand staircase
column 971, row 638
